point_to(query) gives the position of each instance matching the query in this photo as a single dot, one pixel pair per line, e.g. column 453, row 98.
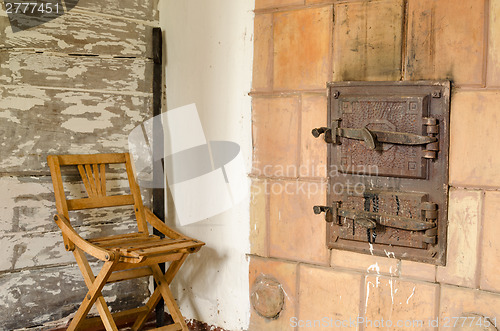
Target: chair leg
column 167, row 295
column 88, row 276
column 155, row 297
column 94, row 295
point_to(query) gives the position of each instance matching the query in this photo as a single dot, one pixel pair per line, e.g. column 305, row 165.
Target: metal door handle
column 367, row 223
column 369, row 220
column 372, row 137
column 319, row 131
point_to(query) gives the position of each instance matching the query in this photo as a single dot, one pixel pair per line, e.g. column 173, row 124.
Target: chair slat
column 151, row 244
column 85, row 180
column 90, row 176
column 166, row 248
column 76, row 159
column 129, row 274
column 97, row 178
column 122, row 243
column 99, row 202
column 126, row 247
column 103, row 179
column 117, row 238
column 173, row 257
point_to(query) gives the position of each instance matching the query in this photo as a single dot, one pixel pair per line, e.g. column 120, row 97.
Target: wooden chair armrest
column 97, row 252
column 160, row 226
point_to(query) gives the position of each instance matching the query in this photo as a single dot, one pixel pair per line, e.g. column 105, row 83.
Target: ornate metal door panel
column 388, row 168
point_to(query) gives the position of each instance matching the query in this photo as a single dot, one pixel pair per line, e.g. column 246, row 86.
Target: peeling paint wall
column 77, row 84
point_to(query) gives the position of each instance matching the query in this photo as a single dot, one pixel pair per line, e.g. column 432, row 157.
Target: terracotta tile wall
column 299, row 46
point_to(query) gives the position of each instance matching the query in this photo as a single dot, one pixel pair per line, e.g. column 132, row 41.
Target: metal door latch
column 370, row 220
column 373, row 138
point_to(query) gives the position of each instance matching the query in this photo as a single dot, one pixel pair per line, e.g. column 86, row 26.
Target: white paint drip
column 368, row 283
column 284, row 292
column 412, row 293
column 371, row 248
column 374, row 267
column 392, row 291
column 368, row 294
column 390, row 254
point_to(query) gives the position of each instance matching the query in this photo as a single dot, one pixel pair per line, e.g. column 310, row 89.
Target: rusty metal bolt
column 318, row 131
column 106, row 257
column 429, row 121
column 267, row 297
column 336, row 94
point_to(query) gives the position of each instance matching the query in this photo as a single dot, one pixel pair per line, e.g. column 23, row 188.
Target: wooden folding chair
column 125, row 256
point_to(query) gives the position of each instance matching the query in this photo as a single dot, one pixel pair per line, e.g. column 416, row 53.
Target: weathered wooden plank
column 32, row 297
column 82, row 72
column 27, row 205
column 23, row 250
column 36, row 249
column 146, row 10
column 37, row 118
column 29, row 236
column 75, row 32
column 35, row 122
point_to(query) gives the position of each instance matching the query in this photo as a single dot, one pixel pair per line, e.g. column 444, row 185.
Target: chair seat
column 136, row 247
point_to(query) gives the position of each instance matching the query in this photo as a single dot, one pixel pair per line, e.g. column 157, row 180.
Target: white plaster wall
column 209, row 52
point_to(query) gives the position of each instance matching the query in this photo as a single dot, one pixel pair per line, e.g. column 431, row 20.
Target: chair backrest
column 91, row 168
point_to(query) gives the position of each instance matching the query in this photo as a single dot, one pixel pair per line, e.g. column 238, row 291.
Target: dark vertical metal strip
column 158, row 191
